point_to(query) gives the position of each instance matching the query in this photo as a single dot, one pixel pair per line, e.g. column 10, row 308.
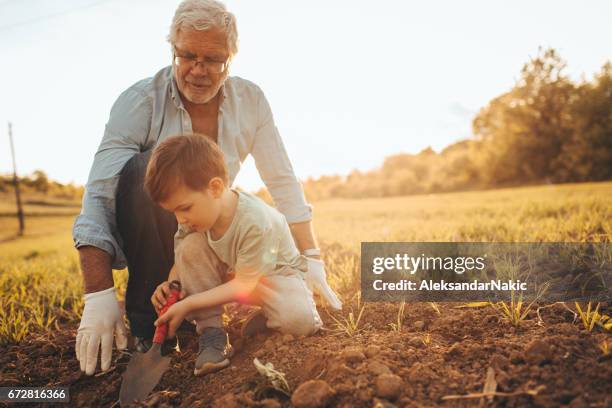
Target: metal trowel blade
column 142, row 374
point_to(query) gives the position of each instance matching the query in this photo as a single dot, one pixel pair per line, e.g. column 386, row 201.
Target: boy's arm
column 256, row 257
column 235, row 290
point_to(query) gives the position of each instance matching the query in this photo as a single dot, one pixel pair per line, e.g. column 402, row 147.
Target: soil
column 549, row 361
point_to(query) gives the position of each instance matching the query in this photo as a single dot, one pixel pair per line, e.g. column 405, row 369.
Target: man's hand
column 316, row 280
column 161, row 294
column 174, row 316
column 101, row 319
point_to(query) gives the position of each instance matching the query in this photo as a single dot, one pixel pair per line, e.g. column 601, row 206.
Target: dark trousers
column 147, row 232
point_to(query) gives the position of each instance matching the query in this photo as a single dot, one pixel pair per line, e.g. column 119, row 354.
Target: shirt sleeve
column 124, row 135
column 257, row 253
column 275, row 169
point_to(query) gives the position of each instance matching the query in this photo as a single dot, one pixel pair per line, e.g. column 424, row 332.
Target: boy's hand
column 161, row 294
column 174, row 316
column 316, row 279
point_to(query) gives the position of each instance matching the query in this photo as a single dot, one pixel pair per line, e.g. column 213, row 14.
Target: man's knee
column 136, row 166
column 130, row 192
column 302, row 321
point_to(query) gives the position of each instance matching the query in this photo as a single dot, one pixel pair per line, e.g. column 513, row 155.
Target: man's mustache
column 199, row 82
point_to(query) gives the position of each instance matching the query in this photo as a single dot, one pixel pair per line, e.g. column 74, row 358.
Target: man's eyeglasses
column 212, row 65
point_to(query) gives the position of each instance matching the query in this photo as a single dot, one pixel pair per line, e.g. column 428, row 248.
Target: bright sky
column 349, row 82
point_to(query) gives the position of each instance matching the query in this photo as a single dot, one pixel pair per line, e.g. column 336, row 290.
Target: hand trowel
column 145, row 369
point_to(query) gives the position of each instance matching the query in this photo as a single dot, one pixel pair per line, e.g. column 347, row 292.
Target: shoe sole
column 212, row 367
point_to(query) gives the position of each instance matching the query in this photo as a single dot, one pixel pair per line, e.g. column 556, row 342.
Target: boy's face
column 199, row 210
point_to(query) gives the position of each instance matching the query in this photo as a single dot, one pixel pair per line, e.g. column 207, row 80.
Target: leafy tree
column 524, row 129
column 587, row 155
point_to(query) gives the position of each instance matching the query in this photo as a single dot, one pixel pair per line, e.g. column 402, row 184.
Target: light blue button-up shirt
column 150, row 111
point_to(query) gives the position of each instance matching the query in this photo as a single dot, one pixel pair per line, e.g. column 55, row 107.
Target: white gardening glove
column 316, row 280
column 101, row 319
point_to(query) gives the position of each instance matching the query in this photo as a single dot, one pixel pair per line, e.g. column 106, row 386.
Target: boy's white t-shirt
column 258, row 242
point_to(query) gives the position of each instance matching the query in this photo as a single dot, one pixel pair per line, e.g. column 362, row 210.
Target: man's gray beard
column 213, row 94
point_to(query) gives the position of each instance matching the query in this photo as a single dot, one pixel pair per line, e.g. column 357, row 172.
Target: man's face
column 195, row 82
column 198, row 210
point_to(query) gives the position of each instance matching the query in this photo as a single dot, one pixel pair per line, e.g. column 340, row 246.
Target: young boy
column 222, row 230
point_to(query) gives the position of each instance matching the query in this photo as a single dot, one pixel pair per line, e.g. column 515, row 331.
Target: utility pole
column 16, row 182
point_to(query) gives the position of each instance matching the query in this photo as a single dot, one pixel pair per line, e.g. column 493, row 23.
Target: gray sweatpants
column 285, row 300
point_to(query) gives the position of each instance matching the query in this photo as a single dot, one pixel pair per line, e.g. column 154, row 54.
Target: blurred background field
column 572, row 212
column 42, row 287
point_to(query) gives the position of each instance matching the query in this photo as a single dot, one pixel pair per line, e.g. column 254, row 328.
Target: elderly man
column 119, row 225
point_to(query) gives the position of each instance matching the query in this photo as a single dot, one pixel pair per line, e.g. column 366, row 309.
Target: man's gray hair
column 203, row 15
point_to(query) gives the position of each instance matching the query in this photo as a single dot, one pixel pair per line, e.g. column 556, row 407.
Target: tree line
column 546, row 129
column 39, row 183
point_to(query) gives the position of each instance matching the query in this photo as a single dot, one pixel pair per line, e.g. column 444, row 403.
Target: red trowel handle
column 162, row 331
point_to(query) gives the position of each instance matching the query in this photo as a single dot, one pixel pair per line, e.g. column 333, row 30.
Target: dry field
column 369, row 354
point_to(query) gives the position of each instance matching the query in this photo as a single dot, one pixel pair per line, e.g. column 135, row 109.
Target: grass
column 397, row 325
column 42, row 287
column 554, row 213
column 591, row 317
column 605, row 348
column 38, row 205
column 40, row 279
column 349, row 325
column 514, row 311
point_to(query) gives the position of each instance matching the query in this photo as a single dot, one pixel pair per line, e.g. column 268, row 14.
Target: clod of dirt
column 312, row 394
column 238, row 345
column 288, row 338
column 418, row 325
column 566, row 329
column 269, row 403
column 578, row 402
column 415, row 342
column 377, row 368
column 47, row 350
column 372, row 351
column 499, row 361
column 453, row 351
column 227, row 401
column 269, row 345
column 313, row 368
column 388, row 386
column 353, row 355
column 538, row 351
column 516, row 357
column 397, row 346
column 74, row 377
column 381, row 403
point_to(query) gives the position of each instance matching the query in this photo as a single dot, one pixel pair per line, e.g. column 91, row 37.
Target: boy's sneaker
column 214, row 351
column 142, row 345
column 255, row 323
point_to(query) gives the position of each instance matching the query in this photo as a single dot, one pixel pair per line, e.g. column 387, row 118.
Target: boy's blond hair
column 183, row 160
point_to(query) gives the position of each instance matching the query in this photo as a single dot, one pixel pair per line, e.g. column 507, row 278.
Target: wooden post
column 16, row 183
